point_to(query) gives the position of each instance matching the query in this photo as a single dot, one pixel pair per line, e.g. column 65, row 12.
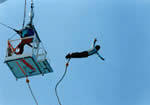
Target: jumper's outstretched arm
column 100, row 56
column 94, row 42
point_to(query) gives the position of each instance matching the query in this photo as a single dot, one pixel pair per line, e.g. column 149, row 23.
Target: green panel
column 45, row 67
column 21, row 69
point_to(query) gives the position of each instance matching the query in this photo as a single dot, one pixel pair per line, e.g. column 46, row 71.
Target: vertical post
column 7, row 49
column 33, row 46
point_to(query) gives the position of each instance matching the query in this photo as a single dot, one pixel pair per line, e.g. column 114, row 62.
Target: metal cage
column 33, row 61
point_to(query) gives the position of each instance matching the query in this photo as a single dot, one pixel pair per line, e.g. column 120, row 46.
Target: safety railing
column 28, row 45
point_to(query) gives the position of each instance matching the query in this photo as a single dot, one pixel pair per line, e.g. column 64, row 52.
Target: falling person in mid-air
column 84, row 54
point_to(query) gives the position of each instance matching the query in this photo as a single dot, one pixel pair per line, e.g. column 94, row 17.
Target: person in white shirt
column 84, row 54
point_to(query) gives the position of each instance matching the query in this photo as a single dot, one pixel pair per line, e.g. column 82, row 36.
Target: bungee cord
column 56, row 92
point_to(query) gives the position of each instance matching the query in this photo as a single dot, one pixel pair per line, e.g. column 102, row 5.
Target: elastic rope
column 7, row 26
column 31, row 92
column 25, row 5
column 60, row 82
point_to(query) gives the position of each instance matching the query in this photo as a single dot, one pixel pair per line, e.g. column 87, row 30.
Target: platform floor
column 26, row 66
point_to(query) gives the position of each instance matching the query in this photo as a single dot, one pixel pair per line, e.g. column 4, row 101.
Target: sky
column 122, row 30
column 1, row 1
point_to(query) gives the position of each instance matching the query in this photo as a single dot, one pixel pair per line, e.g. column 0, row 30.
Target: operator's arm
column 100, row 56
column 31, row 14
column 29, row 45
column 19, row 32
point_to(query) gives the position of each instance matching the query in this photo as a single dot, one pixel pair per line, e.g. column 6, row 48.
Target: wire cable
column 7, row 26
column 17, row 31
column 31, row 92
column 24, row 17
column 56, row 92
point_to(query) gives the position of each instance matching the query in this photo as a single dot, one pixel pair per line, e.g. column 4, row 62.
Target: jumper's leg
column 78, row 55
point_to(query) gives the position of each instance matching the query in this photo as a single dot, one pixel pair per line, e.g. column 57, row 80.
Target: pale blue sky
column 71, row 25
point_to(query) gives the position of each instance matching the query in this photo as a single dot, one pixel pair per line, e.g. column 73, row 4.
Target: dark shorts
column 79, row 54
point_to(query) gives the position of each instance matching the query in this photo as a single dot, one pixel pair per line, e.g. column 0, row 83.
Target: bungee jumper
column 84, row 54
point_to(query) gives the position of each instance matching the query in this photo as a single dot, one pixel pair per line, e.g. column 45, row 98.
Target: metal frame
column 38, row 54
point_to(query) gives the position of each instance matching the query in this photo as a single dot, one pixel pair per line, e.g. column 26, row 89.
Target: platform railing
column 37, row 48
